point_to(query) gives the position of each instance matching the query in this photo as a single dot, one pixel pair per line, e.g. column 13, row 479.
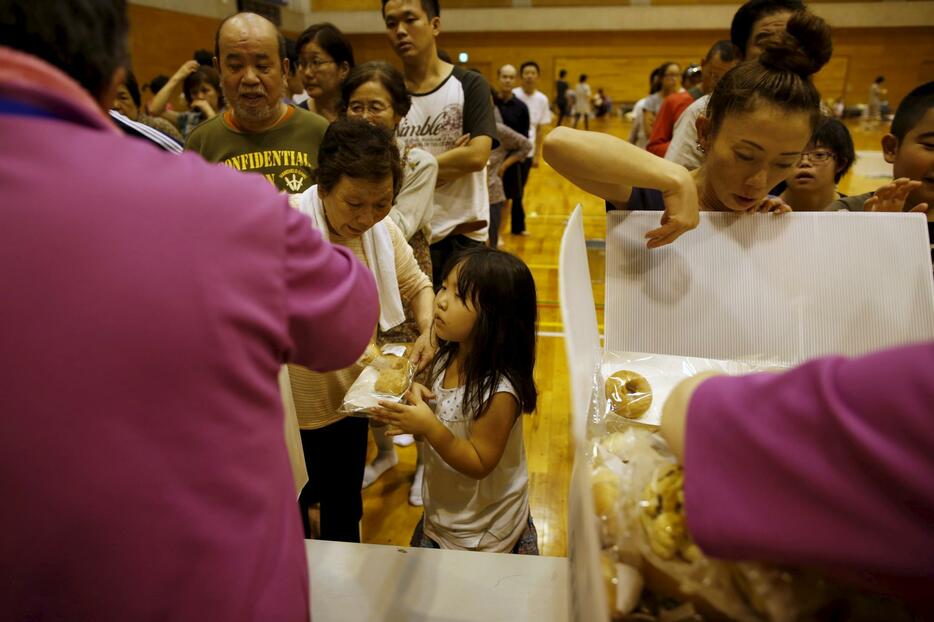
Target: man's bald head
column 249, row 23
column 509, row 69
column 252, row 63
column 506, row 80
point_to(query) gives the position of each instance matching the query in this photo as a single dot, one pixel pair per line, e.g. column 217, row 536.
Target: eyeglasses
column 818, row 156
column 314, row 63
column 359, row 108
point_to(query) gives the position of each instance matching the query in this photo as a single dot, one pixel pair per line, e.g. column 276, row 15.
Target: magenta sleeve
column 831, row 463
column 332, row 304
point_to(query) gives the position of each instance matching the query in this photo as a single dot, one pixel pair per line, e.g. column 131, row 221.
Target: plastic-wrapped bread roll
column 663, row 515
column 623, row 585
column 629, row 394
column 605, row 486
column 392, row 381
column 393, row 376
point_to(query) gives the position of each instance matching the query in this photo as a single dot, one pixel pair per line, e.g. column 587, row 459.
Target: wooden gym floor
column 549, row 198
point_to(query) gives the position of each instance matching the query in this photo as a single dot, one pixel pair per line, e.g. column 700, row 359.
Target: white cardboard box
column 783, row 288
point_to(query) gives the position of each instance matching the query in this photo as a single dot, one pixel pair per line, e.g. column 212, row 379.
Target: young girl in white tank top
column 475, row 487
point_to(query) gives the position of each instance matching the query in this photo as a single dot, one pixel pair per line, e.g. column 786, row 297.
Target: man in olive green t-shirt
column 259, row 132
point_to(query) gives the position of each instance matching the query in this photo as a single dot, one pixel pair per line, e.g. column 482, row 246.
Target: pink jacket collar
column 33, row 81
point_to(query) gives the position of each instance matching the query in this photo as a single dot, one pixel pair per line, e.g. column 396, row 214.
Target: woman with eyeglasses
column 325, row 58
column 375, row 92
column 812, row 184
column 669, row 76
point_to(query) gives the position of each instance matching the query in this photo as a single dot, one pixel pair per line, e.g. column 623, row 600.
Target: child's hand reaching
column 415, row 417
column 891, row 197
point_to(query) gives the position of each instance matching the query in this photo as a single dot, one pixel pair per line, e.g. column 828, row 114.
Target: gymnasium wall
column 619, row 62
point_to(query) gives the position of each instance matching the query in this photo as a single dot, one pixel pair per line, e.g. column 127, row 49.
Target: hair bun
column 803, row 47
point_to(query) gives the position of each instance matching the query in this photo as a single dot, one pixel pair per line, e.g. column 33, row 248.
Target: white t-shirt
column 637, row 133
column 459, row 105
column 683, row 146
column 582, row 99
column 539, row 112
column 415, row 202
column 462, row 512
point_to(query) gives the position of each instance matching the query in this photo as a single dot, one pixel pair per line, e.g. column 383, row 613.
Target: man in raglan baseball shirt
column 451, row 118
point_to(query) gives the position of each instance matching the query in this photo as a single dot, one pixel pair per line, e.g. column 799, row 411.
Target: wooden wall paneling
column 579, row 3
column 486, row 69
column 586, row 3
column 546, row 47
column 367, row 5
column 623, row 79
column 161, row 40
column 926, row 71
column 831, row 80
column 343, row 5
column 896, row 53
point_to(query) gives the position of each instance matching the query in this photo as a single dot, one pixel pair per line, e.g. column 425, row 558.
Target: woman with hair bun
column 759, row 119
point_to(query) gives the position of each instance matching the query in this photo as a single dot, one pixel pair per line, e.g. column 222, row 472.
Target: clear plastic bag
column 643, row 524
column 386, row 376
column 638, row 493
column 632, row 387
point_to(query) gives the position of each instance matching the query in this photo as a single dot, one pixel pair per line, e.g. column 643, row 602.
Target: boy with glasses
column 812, row 184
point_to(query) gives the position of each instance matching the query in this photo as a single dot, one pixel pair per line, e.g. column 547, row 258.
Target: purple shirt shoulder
column 150, row 301
column 829, row 464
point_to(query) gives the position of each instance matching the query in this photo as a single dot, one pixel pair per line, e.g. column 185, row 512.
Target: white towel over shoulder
column 379, row 251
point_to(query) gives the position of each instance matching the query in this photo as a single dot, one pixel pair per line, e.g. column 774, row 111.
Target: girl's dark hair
column 132, row 86
column 384, row 73
column 664, row 67
column 583, row 77
column 354, row 148
column 155, row 85
column 502, row 344
column 86, row 39
column 203, row 75
column 330, row 39
column 751, row 12
column 291, row 53
column 655, row 81
column 781, row 76
column 203, row 57
column 832, row 134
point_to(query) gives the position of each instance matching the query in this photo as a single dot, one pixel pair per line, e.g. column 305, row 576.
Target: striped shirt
column 141, row 130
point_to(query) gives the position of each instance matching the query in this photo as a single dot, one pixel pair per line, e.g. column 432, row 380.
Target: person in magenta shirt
column 149, row 301
column 830, row 464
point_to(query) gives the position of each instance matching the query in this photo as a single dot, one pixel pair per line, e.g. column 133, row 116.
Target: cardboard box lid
column 778, row 287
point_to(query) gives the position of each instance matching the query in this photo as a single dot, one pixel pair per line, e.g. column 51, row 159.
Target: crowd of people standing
column 340, row 206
